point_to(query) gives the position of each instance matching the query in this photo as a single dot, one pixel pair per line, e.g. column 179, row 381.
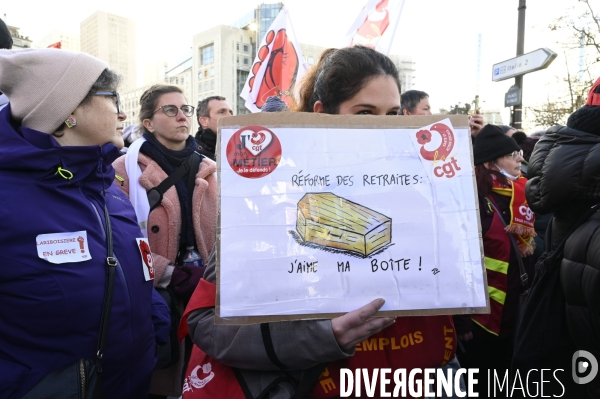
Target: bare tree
column 550, row 114
column 582, row 27
column 579, row 30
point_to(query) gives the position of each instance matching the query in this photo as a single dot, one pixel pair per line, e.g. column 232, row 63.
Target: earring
column 70, row 122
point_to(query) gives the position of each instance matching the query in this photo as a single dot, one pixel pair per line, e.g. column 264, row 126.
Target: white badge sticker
column 147, row 260
column 63, row 247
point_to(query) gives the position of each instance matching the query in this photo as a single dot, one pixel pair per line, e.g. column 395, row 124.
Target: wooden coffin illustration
column 333, row 221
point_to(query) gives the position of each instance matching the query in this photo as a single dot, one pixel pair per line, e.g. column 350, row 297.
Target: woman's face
column 510, row 164
column 379, row 96
column 98, row 123
column 170, row 131
column 422, row 108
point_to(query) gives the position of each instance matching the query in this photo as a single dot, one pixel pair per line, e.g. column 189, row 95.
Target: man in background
column 209, row 111
column 415, row 102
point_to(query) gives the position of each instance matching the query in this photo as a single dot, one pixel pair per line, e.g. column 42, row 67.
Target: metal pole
column 517, row 109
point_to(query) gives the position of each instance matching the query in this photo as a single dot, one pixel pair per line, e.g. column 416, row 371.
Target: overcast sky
column 440, row 35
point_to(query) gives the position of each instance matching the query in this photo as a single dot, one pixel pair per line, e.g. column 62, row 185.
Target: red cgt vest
column 412, row 342
column 496, row 248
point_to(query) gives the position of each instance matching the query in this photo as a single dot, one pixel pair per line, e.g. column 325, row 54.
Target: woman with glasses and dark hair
column 507, row 226
column 181, row 223
column 68, row 233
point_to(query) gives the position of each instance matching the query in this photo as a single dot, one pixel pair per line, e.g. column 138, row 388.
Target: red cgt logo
column 253, row 152
column 449, row 167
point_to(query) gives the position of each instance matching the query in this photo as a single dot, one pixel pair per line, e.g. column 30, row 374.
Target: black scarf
column 170, row 161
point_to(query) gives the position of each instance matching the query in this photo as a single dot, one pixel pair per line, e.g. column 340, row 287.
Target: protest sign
column 321, row 214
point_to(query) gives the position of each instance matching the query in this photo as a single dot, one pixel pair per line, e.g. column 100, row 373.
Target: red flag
column 278, row 64
column 376, row 25
column 55, row 45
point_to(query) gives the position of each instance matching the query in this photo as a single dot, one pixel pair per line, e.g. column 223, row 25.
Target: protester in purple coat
column 58, row 137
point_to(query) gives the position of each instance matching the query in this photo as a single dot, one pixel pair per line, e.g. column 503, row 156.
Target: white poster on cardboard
column 324, row 220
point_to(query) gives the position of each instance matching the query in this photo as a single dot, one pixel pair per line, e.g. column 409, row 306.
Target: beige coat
column 164, row 228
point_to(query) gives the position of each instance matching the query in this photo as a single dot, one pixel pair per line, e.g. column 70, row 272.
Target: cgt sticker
column 440, row 162
column 253, row 152
column 147, row 259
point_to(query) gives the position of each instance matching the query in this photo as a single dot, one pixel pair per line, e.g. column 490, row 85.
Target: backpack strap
column 155, row 195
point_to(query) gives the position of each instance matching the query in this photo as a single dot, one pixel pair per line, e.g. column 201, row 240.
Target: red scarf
column 522, row 217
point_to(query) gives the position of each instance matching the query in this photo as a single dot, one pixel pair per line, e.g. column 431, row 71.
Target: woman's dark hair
column 150, row 98
column 340, row 75
column 485, row 179
column 410, row 99
column 107, row 81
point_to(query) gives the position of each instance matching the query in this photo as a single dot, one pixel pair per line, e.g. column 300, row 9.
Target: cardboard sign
column 321, row 214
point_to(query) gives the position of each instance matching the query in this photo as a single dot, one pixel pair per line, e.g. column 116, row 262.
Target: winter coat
column 207, row 142
column 564, row 172
column 50, row 312
column 164, row 228
column 164, row 222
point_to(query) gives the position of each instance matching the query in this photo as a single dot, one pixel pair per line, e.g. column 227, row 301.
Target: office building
column 19, row 41
column 112, row 39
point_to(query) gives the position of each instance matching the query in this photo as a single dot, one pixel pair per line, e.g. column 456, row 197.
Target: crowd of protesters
column 116, row 305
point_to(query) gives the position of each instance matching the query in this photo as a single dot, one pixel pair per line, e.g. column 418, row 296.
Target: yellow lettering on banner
column 395, row 343
column 418, row 337
column 404, row 341
column 325, row 372
column 370, row 344
column 447, row 354
column 383, row 342
column 449, row 342
column 328, row 385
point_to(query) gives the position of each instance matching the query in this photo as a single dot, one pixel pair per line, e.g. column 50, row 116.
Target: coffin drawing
column 332, row 221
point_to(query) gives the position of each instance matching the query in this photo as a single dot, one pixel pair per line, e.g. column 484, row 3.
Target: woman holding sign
column 304, row 358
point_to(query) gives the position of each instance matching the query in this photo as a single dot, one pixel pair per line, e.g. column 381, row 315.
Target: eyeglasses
column 172, row 110
column 515, row 155
column 110, row 94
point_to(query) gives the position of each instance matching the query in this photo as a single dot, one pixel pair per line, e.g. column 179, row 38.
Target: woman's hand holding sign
column 358, row 325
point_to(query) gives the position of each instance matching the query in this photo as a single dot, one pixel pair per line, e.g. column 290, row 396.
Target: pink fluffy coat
column 164, row 223
column 164, row 227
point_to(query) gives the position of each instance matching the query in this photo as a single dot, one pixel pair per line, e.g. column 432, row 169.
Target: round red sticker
column 253, row 152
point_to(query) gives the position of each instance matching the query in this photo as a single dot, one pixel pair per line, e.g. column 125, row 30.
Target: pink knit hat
column 45, row 86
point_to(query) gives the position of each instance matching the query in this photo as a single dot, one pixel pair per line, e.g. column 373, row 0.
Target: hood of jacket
column 564, row 168
column 24, row 150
